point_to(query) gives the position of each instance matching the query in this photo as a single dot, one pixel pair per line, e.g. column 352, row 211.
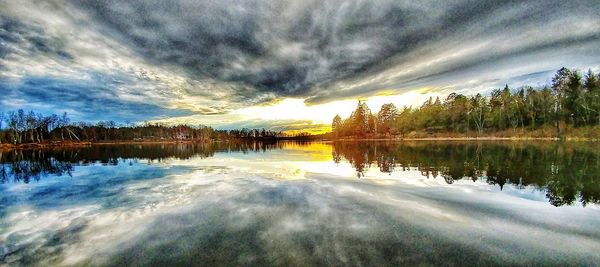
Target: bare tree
column 1, row 121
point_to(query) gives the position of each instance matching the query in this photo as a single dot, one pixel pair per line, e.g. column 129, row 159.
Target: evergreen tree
column 591, row 102
column 573, row 99
column 336, row 126
column 360, row 119
column 386, row 118
column 559, row 86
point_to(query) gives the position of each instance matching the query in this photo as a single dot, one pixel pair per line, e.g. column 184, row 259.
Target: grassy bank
column 546, row 133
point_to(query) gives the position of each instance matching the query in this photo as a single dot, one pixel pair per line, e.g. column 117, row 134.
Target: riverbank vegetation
column 570, row 107
column 23, row 129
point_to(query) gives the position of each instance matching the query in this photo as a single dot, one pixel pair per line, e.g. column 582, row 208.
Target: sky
column 278, row 64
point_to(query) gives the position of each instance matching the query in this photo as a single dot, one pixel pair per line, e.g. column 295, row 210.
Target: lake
column 302, row 203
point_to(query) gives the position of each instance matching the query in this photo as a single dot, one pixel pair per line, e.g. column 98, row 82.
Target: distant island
column 568, row 109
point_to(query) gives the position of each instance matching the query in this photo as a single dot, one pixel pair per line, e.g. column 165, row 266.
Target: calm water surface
column 347, row 203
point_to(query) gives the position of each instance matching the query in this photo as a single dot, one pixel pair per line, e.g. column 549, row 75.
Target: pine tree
column 336, row 126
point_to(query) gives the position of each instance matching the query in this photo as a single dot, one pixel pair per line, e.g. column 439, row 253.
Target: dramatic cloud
column 81, row 99
column 214, row 57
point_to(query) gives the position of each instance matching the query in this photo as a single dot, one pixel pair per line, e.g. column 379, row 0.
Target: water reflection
column 24, row 166
column 301, row 204
column 27, row 165
column 566, row 172
column 569, row 172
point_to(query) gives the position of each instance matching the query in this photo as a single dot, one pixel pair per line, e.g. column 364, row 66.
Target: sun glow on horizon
column 297, row 109
column 294, row 115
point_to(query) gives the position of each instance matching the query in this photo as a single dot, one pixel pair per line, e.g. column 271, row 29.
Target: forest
column 20, row 127
column 569, row 104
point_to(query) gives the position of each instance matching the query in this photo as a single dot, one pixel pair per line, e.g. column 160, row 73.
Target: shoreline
column 490, row 138
column 474, row 139
column 67, row 144
column 157, row 142
column 44, row 145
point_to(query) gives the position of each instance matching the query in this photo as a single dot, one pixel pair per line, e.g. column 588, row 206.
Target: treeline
column 20, row 127
column 573, row 100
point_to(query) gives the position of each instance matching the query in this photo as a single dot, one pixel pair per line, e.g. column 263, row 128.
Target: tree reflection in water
column 25, row 165
column 567, row 172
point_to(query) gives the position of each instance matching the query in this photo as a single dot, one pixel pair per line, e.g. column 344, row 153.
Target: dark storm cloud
column 304, row 48
column 15, row 35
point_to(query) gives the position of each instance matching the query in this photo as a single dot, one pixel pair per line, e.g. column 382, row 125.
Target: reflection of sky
column 283, row 207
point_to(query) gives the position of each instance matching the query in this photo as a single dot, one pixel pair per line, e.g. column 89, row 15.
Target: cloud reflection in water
column 235, row 208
